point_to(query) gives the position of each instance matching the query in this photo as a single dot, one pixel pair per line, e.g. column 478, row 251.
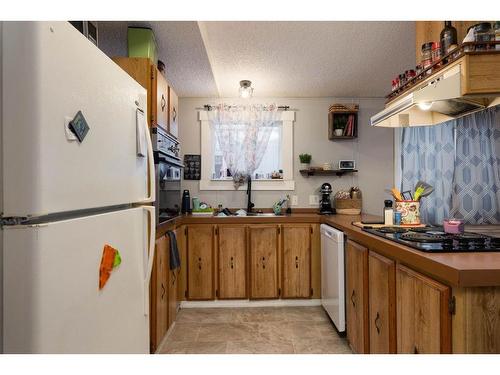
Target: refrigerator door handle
column 149, row 254
column 151, row 163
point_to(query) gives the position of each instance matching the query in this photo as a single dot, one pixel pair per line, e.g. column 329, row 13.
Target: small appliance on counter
column 347, row 164
column 325, row 204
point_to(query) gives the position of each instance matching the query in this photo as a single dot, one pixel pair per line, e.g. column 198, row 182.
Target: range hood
column 434, row 102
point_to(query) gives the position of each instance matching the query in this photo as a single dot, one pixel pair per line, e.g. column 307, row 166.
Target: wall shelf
column 344, row 117
column 322, row 172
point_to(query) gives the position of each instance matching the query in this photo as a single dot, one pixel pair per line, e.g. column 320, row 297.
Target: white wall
column 373, row 152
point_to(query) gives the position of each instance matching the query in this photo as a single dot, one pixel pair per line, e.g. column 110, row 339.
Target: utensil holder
column 410, row 212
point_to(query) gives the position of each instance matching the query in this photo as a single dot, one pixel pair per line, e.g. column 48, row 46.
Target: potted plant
column 339, row 126
column 305, row 160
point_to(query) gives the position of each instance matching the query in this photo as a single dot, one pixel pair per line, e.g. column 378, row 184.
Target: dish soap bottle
column 388, row 213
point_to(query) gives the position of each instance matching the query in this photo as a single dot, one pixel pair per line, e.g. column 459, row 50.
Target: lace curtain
column 242, row 133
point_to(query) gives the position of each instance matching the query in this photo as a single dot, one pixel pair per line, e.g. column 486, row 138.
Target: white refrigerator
column 64, row 200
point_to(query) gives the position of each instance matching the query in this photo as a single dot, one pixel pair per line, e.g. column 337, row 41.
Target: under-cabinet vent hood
column 437, row 101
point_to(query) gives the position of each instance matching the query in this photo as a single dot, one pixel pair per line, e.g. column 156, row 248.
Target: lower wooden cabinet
column 357, row 297
column 232, row 254
column 263, row 249
column 382, row 303
column 159, row 294
column 423, row 317
column 200, row 262
column 296, row 261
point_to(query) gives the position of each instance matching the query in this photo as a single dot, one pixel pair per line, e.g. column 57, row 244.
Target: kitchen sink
column 261, row 214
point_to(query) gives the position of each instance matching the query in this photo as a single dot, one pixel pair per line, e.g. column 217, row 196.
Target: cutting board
column 375, row 226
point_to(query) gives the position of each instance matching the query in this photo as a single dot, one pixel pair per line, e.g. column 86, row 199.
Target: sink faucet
column 250, row 205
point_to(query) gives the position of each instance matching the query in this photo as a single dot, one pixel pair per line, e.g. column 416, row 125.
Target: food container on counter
column 410, row 212
column 454, row 226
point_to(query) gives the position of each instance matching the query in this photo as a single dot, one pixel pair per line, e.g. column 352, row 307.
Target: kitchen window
column 275, row 169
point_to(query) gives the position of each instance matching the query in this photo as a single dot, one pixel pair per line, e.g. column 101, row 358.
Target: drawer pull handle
column 263, row 263
column 377, row 320
column 352, row 298
column 199, row 263
column 232, row 263
column 296, row 262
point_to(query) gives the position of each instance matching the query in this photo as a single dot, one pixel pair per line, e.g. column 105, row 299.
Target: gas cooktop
column 435, row 240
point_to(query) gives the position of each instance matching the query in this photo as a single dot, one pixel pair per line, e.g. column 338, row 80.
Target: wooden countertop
column 460, row 269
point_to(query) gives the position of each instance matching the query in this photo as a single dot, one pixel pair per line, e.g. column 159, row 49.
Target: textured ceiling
column 282, row 59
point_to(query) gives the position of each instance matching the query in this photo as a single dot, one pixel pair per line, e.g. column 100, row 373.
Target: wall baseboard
column 250, row 303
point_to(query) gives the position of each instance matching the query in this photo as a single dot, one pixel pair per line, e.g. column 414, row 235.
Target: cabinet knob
column 415, row 350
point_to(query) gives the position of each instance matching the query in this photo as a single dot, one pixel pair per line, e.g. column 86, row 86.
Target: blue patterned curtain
column 428, row 154
column 476, row 187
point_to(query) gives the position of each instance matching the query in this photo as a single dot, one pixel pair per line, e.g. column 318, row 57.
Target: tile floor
column 264, row 330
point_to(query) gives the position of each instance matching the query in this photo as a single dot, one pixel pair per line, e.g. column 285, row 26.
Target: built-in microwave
column 168, row 169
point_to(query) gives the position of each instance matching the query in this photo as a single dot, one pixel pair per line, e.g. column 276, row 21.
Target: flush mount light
column 246, row 90
column 425, row 106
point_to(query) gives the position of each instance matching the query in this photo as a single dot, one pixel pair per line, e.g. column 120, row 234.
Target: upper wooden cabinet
column 162, row 109
column 232, row 254
column 264, row 245
column 357, row 297
column 296, row 261
column 382, row 303
column 423, row 317
column 173, row 124
column 200, row 262
column 161, row 100
column 429, row 31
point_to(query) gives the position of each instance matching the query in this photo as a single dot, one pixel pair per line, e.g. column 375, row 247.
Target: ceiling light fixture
column 425, row 106
column 246, row 89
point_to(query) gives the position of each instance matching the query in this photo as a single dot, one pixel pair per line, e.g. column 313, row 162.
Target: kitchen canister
column 410, row 212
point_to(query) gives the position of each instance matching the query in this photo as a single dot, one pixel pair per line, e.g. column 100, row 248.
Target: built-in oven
column 168, row 169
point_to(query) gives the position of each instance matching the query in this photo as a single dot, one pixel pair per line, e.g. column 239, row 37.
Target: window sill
column 270, row 185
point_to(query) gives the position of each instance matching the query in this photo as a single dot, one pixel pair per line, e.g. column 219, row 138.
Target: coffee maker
column 325, row 204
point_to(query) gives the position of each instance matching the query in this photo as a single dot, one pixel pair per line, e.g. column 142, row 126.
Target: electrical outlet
column 295, row 200
column 313, row 200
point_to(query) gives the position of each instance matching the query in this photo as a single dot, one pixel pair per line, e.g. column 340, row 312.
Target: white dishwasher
column 332, row 275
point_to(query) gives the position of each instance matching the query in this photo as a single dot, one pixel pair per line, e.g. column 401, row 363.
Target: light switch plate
column 313, row 200
column 295, row 200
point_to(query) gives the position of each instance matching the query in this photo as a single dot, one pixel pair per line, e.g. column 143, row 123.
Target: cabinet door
column 141, row 69
column 232, row 252
column 296, row 261
column 200, row 278
column 423, row 319
column 382, row 303
column 159, row 294
column 357, row 297
column 161, row 100
column 173, row 124
column 264, row 244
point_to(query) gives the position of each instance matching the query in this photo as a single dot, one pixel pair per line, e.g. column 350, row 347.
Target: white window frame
column 287, row 183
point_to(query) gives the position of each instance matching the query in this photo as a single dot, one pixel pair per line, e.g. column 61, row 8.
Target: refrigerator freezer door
column 52, row 299
column 50, row 72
